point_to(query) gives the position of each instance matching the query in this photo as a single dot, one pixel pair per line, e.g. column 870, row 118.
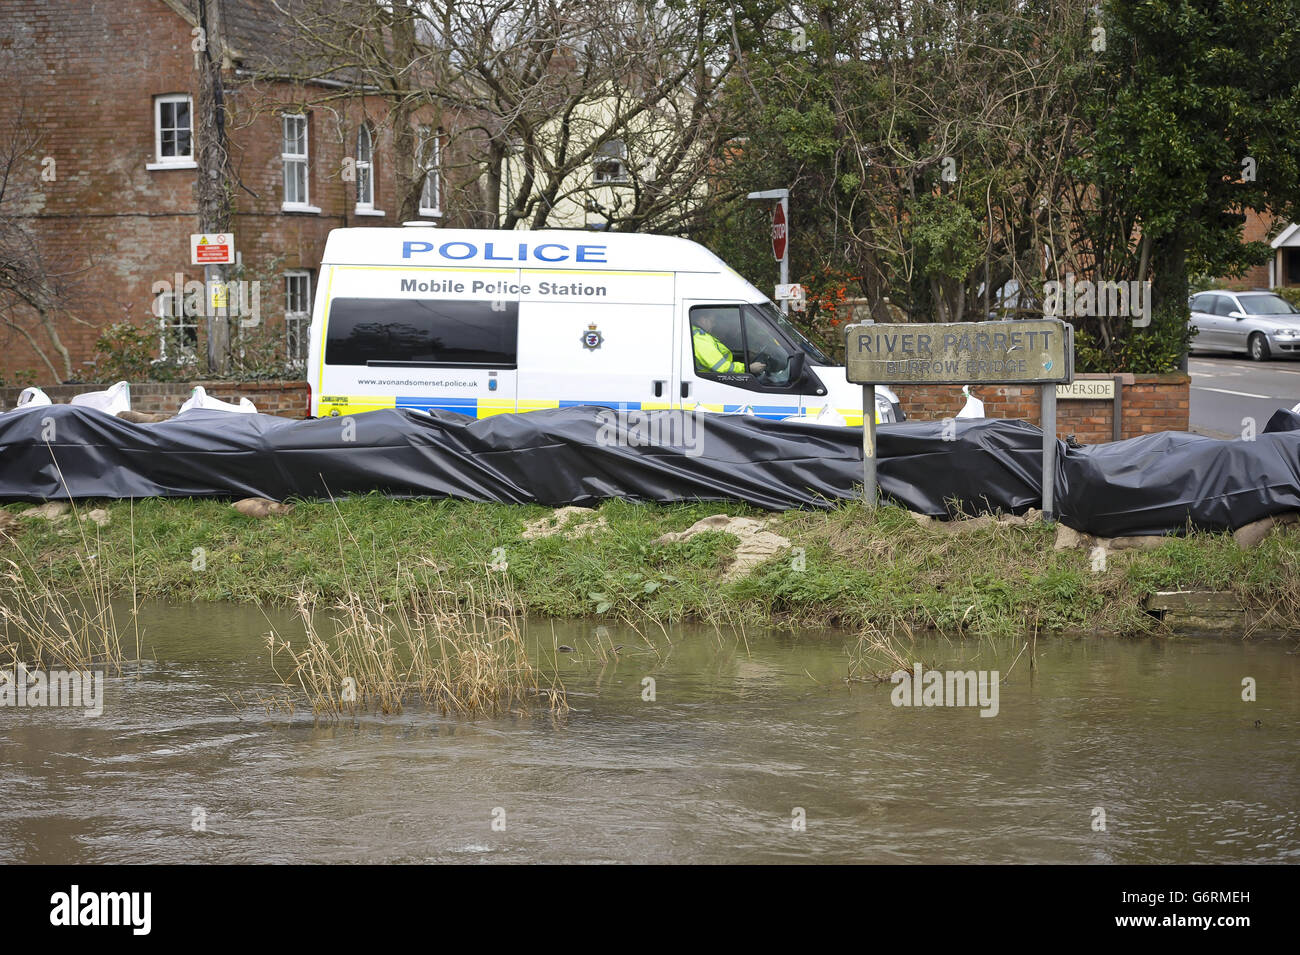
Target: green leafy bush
column 1157, row 349
column 1290, row 293
column 124, row 352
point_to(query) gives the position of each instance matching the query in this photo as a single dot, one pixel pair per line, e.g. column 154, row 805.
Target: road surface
column 1228, row 390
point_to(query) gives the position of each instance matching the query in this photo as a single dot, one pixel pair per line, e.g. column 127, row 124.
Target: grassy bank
column 853, row 570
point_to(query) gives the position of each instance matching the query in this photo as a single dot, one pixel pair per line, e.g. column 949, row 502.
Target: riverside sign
column 1032, row 352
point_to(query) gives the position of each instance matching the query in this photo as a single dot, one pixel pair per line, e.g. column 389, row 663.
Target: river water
column 752, row 750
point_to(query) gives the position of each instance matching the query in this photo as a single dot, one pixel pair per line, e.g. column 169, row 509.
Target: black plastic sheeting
column 1160, row 483
column 1283, row 420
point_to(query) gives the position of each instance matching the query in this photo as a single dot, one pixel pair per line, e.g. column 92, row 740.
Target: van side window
column 422, row 332
column 738, row 340
column 718, row 339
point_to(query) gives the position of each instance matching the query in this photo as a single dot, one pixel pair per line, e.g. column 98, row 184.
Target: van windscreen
column 404, row 331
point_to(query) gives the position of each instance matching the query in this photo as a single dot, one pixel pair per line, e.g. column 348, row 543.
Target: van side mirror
column 797, row 363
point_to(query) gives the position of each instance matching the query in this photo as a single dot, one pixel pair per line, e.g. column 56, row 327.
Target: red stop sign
column 778, row 232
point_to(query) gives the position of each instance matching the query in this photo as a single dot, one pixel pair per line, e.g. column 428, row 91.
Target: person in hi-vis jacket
column 712, row 355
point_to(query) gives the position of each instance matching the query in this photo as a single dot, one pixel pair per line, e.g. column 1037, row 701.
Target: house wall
column 103, row 219
column 113, row 228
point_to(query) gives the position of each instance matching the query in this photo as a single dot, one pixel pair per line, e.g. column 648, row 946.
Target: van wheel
column 1258, row 347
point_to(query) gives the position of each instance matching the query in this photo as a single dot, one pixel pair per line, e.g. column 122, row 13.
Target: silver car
column 1261, row 324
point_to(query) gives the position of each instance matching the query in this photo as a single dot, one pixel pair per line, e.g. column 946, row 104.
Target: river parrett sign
column 1034, row 351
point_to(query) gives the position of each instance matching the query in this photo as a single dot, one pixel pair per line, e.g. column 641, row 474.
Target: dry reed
column 419, row 643
column 45, row 626
column 874, row 648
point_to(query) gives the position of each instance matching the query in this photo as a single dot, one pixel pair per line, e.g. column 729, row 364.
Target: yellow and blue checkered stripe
column 486, row 407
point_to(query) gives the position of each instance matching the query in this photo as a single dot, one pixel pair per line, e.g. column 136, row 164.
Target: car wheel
column 1258, row 347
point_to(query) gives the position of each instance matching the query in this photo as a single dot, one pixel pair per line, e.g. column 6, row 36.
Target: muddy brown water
column 742, row 741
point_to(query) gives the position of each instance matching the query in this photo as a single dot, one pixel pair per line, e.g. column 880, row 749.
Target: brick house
column 1283, row 269
column 109, row 92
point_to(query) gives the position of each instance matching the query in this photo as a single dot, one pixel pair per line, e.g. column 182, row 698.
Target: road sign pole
column 782, row 198
column 870, row 492
column 217, row 321
column 1117, row 415
column 1047, row 404
column 785, row 259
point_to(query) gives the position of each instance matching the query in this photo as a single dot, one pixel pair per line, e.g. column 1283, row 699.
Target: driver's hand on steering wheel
column 757, row 367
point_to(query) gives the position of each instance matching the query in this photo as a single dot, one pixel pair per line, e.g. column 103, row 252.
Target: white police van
column 484, row 322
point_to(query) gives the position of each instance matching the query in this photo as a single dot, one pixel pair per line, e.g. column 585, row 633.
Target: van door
column 733, row 356
column 603, row 339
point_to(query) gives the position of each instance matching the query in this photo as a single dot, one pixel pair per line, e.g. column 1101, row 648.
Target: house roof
column 259, row 35
column 1288, row 237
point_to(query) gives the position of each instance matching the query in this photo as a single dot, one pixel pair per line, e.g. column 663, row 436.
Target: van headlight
column 884, row 410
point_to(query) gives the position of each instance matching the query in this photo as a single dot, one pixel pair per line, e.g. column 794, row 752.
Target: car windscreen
column 403, row 331
column 1266, row 305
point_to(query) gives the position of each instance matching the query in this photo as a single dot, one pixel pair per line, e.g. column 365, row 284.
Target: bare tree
column 530, row 98
column 562, row 88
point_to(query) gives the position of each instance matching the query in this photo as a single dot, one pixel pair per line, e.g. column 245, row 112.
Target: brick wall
column 83, row 75
column 288, row 399
column 1149, row 403
column 89, row 73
